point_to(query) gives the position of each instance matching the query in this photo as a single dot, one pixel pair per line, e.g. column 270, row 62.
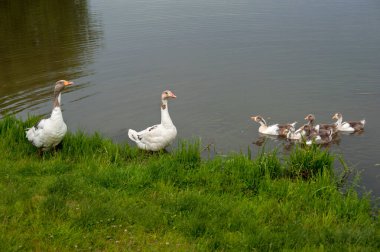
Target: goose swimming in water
column 322, row 126
column 275, row 129
column 293, row 134
column 318, row 137
column 159, row 136
column 304, row 132
column 311, row 134
column 348, row 126
column 48, row 133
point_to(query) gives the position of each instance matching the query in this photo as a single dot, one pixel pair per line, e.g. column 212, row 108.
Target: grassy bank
column 93, row 194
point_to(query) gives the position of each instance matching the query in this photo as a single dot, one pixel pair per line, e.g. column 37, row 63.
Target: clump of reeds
column 308, row 161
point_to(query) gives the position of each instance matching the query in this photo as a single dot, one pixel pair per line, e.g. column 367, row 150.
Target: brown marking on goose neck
column 163, row 106
column 310, row 118
column 59, row 87
column 258, row 119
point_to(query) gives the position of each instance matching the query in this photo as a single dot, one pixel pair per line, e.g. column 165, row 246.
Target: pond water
column 225, row 61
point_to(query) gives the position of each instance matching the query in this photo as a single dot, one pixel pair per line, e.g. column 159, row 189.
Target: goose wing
column 40, row 124
column 357, row 125
column 153, row 134
column 34, row 134
column 272, row 129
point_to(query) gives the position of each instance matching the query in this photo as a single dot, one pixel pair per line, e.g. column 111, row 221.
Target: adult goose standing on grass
column 322, row 126
column 48, row 133
column 159, row 136
column 275, row 129
column 348, row 126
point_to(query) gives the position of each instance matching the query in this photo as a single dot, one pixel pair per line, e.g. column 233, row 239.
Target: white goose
column 275, row 129
column 348, row 126
column 159, row 136
column 49, row 132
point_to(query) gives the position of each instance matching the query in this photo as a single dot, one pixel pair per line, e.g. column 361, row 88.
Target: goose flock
column 309, row 132
column 49, row 132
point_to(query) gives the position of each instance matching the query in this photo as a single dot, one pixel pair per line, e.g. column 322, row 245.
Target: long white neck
column 165, row 117
column 339, row 121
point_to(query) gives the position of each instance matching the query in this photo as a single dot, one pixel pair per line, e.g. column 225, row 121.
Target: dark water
column 225, row 60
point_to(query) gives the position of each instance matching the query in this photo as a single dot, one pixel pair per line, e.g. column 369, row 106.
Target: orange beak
column 68, row 83
column 173, row 95
column 253, row 118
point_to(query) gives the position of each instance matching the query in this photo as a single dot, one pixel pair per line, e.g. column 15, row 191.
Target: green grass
column 93, row 194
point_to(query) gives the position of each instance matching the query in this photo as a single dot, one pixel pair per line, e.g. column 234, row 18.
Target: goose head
column 61, row 84
column 337, row 116
column 167, row 94
column 59, row 87
column 258, row 119
column 310, row 118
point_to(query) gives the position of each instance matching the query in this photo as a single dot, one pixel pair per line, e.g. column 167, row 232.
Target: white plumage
column 294, row 134
column 275, row 129
column 159, row 136
column 348, row 126
column 49, row 132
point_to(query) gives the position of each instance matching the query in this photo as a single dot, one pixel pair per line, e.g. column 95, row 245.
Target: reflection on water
column 41, row 42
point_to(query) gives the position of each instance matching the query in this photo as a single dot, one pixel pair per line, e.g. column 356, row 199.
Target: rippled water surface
column 225, row 61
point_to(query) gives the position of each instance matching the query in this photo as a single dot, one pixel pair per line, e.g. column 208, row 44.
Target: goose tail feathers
column 132, row 134
column 30, row 133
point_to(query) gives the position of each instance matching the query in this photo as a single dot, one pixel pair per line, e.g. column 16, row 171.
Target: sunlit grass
column 93, row 194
